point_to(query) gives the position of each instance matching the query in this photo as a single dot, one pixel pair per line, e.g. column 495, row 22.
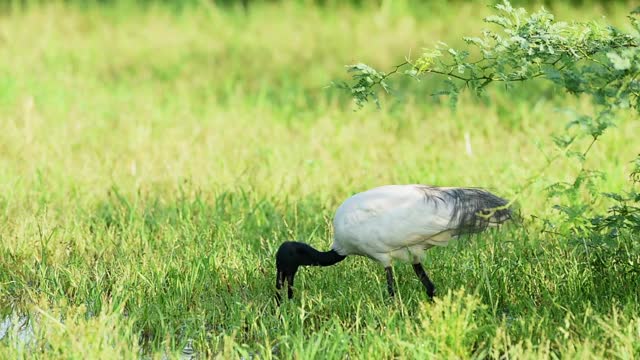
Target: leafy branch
column 582, row 57
column 587, row 58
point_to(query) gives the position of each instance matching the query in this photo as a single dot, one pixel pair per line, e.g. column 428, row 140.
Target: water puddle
column 17, row 328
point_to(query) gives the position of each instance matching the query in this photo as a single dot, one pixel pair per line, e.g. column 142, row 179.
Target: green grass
column 151, row 163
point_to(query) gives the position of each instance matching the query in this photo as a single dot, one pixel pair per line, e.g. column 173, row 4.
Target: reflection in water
column 188, row 353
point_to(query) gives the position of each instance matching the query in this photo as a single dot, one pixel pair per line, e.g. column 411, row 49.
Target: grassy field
column 151, row 162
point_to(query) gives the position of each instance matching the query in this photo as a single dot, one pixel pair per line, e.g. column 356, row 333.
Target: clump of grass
column 153, row 162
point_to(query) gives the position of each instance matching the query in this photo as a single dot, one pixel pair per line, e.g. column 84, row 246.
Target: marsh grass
column 151, row 162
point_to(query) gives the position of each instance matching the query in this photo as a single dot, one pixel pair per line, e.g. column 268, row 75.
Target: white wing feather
column 394, row 221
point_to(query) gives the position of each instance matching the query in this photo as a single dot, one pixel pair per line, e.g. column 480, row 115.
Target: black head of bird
column 291, row 255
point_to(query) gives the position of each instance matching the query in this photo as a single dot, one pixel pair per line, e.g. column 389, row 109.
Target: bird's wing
column 388, row 218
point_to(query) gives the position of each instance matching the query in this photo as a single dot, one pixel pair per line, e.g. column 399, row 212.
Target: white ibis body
column 396, row 222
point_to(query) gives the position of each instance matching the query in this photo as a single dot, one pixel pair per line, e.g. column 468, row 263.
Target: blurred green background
column 154, row 154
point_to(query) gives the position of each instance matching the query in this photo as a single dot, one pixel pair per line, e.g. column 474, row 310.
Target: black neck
column 320, row 258
column 294, row 254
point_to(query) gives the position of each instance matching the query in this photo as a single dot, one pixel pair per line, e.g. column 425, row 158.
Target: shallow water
column 20, row 326
column 19, row 329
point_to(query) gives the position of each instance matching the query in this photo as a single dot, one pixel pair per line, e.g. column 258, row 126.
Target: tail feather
column 473, row 209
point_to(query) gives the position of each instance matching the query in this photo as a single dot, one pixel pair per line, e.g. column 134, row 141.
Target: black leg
column 428, row 285
column 389, row 271
column 279, row 280
column 290, row 285
column 279, row 283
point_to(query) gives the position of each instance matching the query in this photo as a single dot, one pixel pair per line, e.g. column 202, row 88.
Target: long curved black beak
column 279, row 283
column 283, row 277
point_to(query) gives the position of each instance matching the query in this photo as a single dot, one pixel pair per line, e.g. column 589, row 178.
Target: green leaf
column 553, row 74
column 613, row 196
column 562, row 141
column 619, row 62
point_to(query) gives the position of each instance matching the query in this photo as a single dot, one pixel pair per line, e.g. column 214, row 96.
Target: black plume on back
column 474, row 209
